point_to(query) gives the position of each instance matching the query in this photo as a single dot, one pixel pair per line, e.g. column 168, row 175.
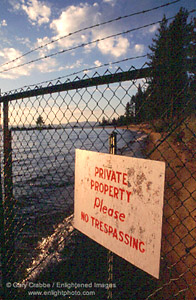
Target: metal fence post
column 8, row 197
column 112, row 143
column 2, row 231
column 112, row 150
column 2, row 245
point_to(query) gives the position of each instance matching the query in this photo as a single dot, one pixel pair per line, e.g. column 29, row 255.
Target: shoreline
column 179, row 204
column 177, row 160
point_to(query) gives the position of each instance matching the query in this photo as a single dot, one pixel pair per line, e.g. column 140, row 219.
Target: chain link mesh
column 45, row 130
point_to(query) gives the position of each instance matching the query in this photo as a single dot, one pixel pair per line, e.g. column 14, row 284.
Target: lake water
column 43, row 166
column 43, row 184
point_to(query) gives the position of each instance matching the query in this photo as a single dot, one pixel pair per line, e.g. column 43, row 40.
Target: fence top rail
column 84, row 83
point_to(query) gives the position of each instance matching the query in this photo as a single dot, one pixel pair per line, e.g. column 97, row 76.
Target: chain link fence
column 42, row 127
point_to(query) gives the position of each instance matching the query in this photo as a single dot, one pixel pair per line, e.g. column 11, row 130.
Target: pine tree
column 40, row 122
column 128, row 112
column 159, row 77
column 141, row 106
column 169, row 80
column 192, row 48
column 192, row 67
column 179, row 41
column 192, row 52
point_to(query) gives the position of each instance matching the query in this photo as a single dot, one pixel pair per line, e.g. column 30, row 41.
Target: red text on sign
column 109, row 211
column 110, row 190
column 84, row 217
column 111, row 175
column 118, row 235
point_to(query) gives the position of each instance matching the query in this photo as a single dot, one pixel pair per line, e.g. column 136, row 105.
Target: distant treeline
column 25, row 128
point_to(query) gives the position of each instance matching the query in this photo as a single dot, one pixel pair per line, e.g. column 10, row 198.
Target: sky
column 29, row 24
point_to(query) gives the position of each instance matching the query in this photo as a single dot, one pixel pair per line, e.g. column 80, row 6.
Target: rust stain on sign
column 119, row 204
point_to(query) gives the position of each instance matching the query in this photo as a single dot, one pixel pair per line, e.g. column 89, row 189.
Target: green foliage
column 141, row 108
column 172, row 83
column 192, row 49
column 168, row 85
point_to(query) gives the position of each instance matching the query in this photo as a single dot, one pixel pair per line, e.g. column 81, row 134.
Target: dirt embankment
column 179, row 215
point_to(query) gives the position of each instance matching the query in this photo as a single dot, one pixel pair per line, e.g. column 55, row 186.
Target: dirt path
column 179, row 215
column 178, row 267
